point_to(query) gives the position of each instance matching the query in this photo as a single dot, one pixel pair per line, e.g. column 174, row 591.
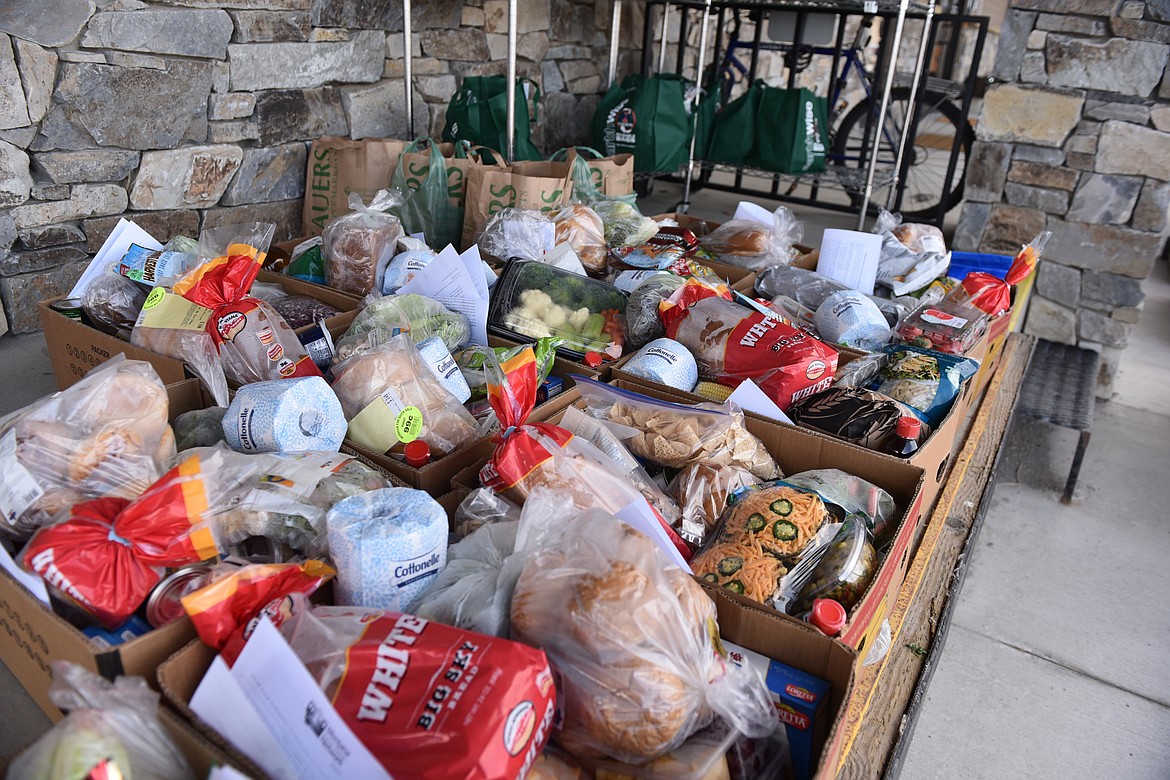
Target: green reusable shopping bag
column 646, row 117
column 478, row 112
column 428, row 208
column 792, row 131
column 733, row 138
column 705, row 132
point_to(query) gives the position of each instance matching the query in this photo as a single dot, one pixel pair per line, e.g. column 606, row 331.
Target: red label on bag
column 431, row 701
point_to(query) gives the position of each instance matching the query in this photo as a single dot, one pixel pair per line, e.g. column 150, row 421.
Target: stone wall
column 185, row 114
column 1075, row 138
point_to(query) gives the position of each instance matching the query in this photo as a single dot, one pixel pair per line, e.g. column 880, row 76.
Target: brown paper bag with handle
column 338, row 166
column 538, row 186
column 613, row 176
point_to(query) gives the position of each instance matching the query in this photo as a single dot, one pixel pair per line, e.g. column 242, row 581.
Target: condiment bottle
column 827, row 616
column 905, row 441
column 418, row 454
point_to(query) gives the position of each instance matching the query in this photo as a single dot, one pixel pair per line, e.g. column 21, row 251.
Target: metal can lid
column 163, row 606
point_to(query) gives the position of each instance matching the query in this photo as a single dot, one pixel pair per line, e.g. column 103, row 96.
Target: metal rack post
column 510, row 105
column 891, row 67
column 615, row 29
column 407, row 67
column 662, row 42
column 705, row 22
column 911, row 111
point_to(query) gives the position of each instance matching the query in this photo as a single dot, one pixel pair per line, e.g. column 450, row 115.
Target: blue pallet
column 963, row 263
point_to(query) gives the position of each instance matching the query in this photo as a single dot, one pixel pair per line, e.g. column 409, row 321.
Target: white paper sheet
column 123, row 235
column 749, row 397
column 474, row 265
column 301, row 725
column 32, row 582
column 563, row 257
column 222, row 772
column 639, row 516
column 850, row 257
column 748, row 210
column 446, row 280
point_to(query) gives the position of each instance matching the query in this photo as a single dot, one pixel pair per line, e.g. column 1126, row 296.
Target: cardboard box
column 802, row 648
column 75, row 348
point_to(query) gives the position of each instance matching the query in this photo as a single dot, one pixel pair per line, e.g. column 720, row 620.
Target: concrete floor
column 1055, row 664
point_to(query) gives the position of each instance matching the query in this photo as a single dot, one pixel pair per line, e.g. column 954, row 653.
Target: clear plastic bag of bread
column 519, row 233
column 194, row 348
column 394, row 373
column 678, row 435
column 483, row 506
column 359, row 245
column 755, row 245
column 106, row 435
column 912, row 256
column 631, row 636
column 702, row 490
column 112, row 303
column 112, row 730
column 581, row 228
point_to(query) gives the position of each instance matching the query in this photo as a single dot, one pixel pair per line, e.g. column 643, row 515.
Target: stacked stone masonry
column 1074, row 137
column 185, row 114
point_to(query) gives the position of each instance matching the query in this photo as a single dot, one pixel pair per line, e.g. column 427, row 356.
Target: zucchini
column 735, row 586
column 782, row 507
column 730, row 565
column 756, row 523
column 785, row 531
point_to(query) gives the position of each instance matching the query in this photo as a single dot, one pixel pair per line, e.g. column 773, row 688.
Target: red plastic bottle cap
column 908, row 427
column 418, row 454
column 593, row 359
column 828, row 616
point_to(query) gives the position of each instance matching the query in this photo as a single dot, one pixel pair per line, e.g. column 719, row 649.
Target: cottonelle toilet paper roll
column 388, row 546
column 665, row 361
column 285, row 415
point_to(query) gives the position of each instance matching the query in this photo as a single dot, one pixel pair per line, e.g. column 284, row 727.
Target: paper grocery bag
column 339, row 166
column 614, row 175
column 539, row 186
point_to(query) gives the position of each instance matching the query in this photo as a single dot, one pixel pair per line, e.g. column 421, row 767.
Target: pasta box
column 75, row 347
column 798, row 449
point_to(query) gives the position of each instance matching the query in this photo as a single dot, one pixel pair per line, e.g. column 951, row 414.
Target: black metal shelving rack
column 870, row 177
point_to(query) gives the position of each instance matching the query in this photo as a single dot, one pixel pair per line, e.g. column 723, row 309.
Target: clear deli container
column 533, row 300
column 843, row 572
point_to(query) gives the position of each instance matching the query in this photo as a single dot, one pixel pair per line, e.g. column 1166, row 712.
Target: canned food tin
column 70, row 307
column 163, row 606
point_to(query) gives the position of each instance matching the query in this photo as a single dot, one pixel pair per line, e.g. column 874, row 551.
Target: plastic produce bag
column 631, row 637
column 391, row 398
column 416, row 315
column 810, row 289
column 856, row 496
column 371, row 664
column 926, row 381
column 106, row 435
column 860, row 372
column 642, row 320
column 849, row 319
column 286, row 499
column 753, row 245
column 527, row 235
column 702, row 491
column 358, row 246
column 473, row 591
column 624, row 224
column 199, row 428
column 112, row 303
column 237, row 596
column 388, row 545
column 912, row 255
column 677, row 435
column 107, row 554
column 581, row 228
column 111, row 731
column 301, row 310
column 473, row 362
column 483, row 506
column 193, row 347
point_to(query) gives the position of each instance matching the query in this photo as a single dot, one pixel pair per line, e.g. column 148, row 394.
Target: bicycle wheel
column 924, row 166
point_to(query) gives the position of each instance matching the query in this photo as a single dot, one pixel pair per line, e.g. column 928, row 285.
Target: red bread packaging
column 429, row 701
column 732, row 343
column 531, row 455
column 109, row 553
